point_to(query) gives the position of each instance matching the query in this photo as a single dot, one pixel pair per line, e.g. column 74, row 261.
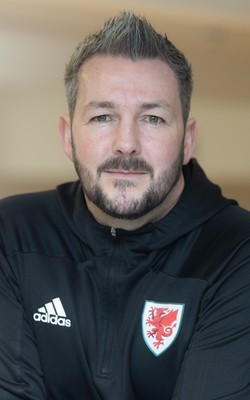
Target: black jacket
column 93, row 313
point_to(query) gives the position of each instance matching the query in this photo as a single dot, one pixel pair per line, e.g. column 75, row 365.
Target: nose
column 126, row 139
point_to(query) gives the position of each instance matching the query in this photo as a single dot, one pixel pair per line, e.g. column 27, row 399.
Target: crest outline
column 161, row 323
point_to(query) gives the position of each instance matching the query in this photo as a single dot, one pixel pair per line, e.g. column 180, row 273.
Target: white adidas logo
column 52, row 313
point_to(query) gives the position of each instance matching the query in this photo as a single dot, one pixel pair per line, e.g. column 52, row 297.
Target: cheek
column 162, row 153
column 90, row 152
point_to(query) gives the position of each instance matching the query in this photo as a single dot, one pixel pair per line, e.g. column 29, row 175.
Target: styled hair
column 133, row 37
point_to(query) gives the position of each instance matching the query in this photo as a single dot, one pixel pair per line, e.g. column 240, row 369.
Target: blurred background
column 37, row 38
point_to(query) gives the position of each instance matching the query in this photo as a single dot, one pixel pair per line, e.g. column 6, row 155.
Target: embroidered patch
column 161, row 323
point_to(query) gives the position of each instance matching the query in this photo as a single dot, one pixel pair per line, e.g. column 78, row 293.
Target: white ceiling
column 37, row 37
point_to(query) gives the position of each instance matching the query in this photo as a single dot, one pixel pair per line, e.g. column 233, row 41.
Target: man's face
column 128, row 141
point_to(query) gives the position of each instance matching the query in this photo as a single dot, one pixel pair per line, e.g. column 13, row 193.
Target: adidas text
column 52, row 319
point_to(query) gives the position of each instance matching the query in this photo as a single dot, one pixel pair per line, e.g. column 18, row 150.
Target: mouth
column 125, row 168
column 125, row 174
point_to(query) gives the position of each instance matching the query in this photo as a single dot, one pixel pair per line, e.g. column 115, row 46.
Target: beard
column 128, row 209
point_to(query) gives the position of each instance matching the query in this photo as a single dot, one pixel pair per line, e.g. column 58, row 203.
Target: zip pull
column 113, row 232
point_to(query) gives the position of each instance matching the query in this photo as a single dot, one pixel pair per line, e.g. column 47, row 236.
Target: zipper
column 113, row 232
column 105, row 369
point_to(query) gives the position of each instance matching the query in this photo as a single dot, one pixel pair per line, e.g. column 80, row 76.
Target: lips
column 125, row 173
column 125, row 166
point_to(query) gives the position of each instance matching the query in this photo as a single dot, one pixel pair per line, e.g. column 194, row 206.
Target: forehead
column 114, row 70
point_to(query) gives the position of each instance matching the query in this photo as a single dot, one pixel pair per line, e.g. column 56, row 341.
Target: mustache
column 126, row 164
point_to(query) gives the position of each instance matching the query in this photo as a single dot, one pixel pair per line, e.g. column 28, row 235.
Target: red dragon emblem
column 161, row 324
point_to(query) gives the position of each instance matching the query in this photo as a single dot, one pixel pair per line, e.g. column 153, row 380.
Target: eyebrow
column 112, row 105
column 158, row 104
column 100, row 104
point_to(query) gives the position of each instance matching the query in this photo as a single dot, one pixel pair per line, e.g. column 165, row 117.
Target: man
column 132, row 283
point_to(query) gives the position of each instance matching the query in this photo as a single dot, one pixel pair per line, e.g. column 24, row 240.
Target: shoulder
column 25, row 206
column 22, row 217
column 223, row 244
column 233, row 223
column 37, row 223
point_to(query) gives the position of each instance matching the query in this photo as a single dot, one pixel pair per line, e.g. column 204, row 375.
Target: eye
column 101, row 118
column 153, row 119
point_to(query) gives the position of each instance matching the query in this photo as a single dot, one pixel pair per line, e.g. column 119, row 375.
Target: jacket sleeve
column 217, row 363
column 20, row 371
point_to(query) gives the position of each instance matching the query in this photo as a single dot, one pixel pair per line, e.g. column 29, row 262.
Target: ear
column 189, row 140
column 65, row 135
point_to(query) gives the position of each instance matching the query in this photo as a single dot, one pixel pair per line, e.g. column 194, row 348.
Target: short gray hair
column 133, row 37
